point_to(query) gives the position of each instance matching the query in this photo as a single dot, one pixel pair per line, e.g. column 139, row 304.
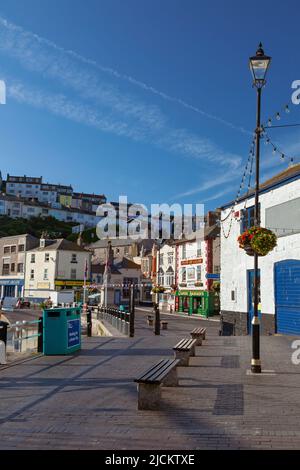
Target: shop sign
column 186, row 262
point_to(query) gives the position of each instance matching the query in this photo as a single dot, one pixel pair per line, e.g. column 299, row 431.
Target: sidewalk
column 89, row 401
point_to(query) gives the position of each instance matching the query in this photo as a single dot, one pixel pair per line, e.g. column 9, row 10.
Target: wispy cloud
column 226, row 178
column 103, row 105
column 16, row 40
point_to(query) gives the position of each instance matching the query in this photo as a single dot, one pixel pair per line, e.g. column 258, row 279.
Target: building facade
column 279, row 271
column 12, row 275
column 56, row 265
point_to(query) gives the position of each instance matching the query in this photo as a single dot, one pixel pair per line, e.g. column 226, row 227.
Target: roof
column 114, row 243
column 55, row 186
column 100, row 268
column 28, row 235
column 209, row 232
column 88, row 195
column 284, row 177
column 60, row 244
column 126, row 263
column 24, row 179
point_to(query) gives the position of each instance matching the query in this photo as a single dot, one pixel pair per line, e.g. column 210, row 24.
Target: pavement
column 89, row 400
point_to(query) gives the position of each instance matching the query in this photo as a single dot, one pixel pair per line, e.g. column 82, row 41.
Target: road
column 89, row 400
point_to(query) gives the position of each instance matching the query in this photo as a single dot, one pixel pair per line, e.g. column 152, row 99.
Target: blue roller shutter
column 287, row 296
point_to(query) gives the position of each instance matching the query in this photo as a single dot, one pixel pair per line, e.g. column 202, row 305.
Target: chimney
column 79, row 240
column 43, row 240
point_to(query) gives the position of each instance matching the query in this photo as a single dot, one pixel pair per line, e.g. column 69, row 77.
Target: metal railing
column 24, row 336
column 119, row 319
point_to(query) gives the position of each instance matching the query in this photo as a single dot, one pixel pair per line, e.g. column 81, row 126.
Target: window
column 190, row 274
column 20, row 268
column 32, row 259
column 12, row 267
column 183, row 251
column 248, row 218
column 183, row 274
column 161, row 260
column 47, row 257
column 217, row 270
column 32, row 274
column 21, row 248
column 198, row 270
column 46, row 274
column 169, row 277
column 161, row 277
column 126, row 289
column 74, row 258
column 170, row 257
column 6, row 249
column 13, row 249
column 5, row 269
column 73, row 273
column 198, row 248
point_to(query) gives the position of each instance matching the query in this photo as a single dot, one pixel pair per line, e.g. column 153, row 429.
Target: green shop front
column 195, row 302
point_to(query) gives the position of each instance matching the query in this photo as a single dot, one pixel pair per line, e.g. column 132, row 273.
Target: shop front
column 11, row 288
column 195, row 302
column 75, row 285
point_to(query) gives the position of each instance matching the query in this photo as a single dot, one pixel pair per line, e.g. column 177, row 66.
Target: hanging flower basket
column 158, row 290
column 258, row 240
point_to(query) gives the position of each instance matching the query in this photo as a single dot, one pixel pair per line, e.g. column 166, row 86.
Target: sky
column 149, row 99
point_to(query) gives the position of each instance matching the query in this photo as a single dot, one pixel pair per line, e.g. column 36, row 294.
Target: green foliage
column 88, row 236
column 261, row 240
column 36, row 226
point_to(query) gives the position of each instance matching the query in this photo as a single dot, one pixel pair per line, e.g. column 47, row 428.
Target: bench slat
column 158, row 372
column 185, row 344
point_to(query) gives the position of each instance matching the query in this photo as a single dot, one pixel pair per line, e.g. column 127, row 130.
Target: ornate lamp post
column 259, row 65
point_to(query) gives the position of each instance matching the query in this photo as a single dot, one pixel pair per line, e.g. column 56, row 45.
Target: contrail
column 121, row 76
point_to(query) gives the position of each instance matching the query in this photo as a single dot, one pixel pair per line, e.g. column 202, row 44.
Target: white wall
column 235, row 262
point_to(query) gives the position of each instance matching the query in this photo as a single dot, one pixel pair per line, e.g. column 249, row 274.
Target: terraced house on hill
column 279, row 307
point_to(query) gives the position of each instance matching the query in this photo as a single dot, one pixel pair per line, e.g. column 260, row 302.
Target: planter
column 257, row 240
column 249, row 250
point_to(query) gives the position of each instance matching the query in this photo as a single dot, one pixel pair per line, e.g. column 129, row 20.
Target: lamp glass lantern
column 259, row 65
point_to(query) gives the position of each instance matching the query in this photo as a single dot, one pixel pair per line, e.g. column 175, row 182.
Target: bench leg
column 148, row 396
column 172, row 379
column 183, row 356
column 198, row 338
column 193, row 351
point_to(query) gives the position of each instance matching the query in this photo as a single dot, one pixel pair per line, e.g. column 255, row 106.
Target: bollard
column 3, row 341
column 131, row 323
column 3, row 331
column 157, row 319
column 40, row 337
column 89, row 322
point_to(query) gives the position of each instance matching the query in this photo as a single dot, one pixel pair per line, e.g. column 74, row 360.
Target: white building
column 166, row 272
column 12, row 259
column 279, row 307
column 53, row 266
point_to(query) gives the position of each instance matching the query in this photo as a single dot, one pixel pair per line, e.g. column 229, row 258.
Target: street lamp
column 259, row 65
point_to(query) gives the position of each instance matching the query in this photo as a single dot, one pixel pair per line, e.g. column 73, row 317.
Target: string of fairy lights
column 248, row 171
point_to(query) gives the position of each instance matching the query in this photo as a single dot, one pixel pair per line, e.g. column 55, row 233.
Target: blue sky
column 151, row 99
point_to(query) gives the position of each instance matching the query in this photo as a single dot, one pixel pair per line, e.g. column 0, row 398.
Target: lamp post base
column 255, row 366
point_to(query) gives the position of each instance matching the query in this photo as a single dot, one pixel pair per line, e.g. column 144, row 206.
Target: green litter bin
column 124, row 308
column 61, row 331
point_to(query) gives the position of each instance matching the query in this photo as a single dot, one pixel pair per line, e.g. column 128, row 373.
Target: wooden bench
column 184, row 349
column 198, row 334
column 149, row 383
column 164, row 325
